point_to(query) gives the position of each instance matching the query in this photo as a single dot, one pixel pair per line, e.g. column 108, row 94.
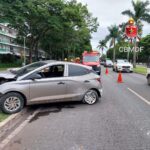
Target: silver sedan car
column 48, row 81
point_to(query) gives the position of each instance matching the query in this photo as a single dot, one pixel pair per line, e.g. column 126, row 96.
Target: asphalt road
column 121, row 121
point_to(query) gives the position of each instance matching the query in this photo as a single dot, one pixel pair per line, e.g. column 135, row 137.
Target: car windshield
column 122, row 61
column 91, row 58
column 28, row 68
column 108, row 61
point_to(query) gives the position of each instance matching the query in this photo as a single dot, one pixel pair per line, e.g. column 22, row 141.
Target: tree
column 121, row 50
column 74, row 36
column 141, row 13
column 114, row 35
column 102, row 45
column 57, row 27
column 144, row 55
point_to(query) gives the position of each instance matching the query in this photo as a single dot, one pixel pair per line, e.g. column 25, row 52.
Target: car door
column 77, row 82
column 50, row 88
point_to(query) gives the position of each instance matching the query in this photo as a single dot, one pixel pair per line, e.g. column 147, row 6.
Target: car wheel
column 117, row 69
column 12, row 103
column 90, row 97
column 113, row 69
column 148, row 80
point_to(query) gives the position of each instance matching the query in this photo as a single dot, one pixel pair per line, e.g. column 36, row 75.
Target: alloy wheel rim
column 90, row 97
column 12, row 104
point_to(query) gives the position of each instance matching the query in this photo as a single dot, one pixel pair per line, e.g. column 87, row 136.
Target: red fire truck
column 92, row 59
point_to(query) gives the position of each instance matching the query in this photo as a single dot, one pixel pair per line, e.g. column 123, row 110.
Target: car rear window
column 77, row 70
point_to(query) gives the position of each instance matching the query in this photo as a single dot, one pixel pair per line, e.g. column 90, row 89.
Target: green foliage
column 120, row 54
column 114, row 35
column 3, row 116
column 102, row 45
column 144, row 56
column 58, row 27
column 140, row 69
column 8, row 61
column 141, row 11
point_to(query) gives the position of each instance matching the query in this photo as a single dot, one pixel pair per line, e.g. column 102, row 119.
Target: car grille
column 126, row 67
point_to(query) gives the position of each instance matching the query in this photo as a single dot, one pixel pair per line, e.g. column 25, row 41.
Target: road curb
column 10, row 123
column 6, row 140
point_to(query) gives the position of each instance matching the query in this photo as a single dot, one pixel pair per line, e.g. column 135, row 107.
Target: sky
column 108, row 13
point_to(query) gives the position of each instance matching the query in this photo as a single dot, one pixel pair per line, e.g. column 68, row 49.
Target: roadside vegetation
column 4, row 66
column 3, row 116
column 140, row 70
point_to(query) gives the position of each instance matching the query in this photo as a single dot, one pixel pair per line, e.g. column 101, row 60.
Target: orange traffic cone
column 106, row 72
column 120, row 78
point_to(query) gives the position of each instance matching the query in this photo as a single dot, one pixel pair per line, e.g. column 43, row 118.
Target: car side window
column 52, row 71
column 77, row 70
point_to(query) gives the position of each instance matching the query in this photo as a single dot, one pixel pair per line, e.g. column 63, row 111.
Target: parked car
column 102, row 62
column 148, row 76
column 48, row 81
column 108, row 63
column 122, row 65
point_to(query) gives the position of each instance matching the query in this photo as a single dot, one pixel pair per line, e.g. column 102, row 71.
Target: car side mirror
column 35, row 76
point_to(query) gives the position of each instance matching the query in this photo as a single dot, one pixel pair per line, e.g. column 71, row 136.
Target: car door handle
column 60, row 83
column 86, row 81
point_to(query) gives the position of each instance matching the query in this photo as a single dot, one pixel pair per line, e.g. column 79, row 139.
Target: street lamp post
column 24, row 61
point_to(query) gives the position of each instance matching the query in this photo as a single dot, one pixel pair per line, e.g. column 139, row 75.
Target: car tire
column 148, row 80
column 90, row 97
column 12, row 103
column 113, row 69
column 117, row 69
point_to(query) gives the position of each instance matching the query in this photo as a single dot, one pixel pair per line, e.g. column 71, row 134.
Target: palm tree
column 102, row 45
column 140, row 13
column 114, row 35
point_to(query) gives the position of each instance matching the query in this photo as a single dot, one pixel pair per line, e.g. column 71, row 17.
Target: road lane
column 121, row 121
column 136, row 82
column 142, row 98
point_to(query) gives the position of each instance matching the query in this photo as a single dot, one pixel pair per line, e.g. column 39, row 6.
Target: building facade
column 7, row 44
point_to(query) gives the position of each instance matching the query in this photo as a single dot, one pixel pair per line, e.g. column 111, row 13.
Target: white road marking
column 17, row 130
column 142, row 98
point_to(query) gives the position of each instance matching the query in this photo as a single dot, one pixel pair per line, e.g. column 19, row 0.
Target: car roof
column 65, row 62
